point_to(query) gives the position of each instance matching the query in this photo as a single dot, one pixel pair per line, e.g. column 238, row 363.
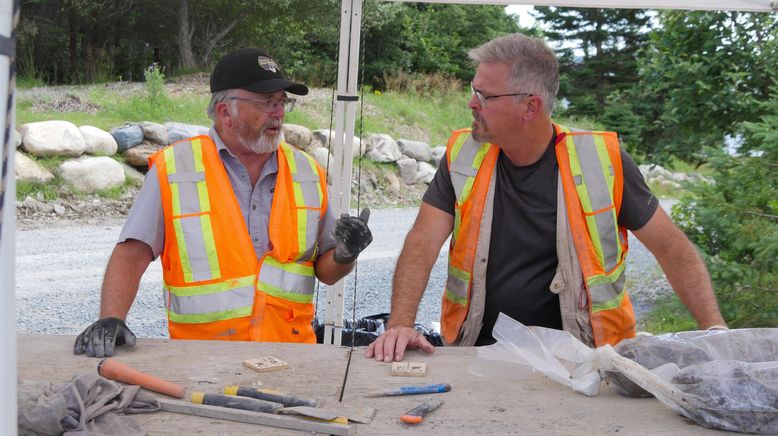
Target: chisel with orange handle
column 416, row 415
column 113, row 369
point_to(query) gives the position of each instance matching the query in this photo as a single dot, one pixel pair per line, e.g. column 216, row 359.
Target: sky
column 525, row 19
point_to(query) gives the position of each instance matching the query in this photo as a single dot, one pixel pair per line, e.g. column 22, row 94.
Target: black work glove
column 99, row 339
column 352, row 236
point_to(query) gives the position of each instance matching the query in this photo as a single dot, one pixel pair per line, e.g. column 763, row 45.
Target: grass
column 435, row 116
column 668, row 315
column 111, row 110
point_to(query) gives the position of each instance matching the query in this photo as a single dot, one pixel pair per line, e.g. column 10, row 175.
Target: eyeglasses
column 482, row 99
column 270, row 105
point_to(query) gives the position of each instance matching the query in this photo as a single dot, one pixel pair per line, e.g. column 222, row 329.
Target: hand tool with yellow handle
column 234, row 402
column 416, row 415
column 269, row 395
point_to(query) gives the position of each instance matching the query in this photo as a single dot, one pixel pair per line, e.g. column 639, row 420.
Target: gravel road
column 59, row 268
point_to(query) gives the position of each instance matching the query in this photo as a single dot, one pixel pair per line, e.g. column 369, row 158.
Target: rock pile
column 92, row 168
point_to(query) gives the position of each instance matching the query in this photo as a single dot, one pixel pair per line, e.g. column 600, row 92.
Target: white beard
column 264, row 143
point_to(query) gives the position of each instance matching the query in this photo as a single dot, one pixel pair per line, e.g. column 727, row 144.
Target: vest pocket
column 286, row 321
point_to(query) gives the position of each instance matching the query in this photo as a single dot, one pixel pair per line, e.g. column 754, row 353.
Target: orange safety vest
column 592, row 179
column 215, row 288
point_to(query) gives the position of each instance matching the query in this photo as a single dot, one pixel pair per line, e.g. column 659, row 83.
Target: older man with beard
column 537, row 213
column 241, row 222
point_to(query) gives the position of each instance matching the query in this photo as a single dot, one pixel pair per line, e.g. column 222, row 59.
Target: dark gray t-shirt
column 522, row 251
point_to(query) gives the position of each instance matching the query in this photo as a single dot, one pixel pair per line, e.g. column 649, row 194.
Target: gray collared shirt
column 146, row 221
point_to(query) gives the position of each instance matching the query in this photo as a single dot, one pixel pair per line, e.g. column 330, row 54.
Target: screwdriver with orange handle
column 416, row 415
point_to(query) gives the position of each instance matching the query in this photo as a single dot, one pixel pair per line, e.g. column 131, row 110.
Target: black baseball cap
column 253, row 70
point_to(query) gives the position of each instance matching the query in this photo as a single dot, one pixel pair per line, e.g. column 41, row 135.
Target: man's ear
column 223, row 114
column 534, row 107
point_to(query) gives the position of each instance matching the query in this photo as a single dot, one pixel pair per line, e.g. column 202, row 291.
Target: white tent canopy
column 351, row 17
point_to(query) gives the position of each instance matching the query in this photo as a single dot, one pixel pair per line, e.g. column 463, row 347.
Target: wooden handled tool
column 113, row 369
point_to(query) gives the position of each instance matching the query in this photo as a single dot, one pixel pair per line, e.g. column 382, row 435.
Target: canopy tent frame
column 351, row 17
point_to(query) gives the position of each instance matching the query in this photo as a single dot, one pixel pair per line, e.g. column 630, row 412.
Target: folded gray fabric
column 87, row 405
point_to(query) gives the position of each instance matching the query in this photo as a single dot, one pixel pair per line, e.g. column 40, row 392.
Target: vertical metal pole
column 342, row 143
column 8, row 17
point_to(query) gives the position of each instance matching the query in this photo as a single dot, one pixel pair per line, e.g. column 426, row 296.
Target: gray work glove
column 352, row 236
column 100, row 338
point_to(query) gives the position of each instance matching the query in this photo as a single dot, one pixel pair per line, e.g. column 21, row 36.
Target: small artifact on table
column 267, row 363
column 409, row 369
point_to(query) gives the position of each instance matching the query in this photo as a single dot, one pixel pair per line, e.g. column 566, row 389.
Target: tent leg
column 342, row 145
column 9, row 16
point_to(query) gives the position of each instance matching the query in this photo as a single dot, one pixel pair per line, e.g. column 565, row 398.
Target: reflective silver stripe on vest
column 186, row 179
column 192, row 227
column 219, row 301
column 607, row 291
column 599, row 196
column 462, row 168
column 457, row 286
column 310, row 182
column 285, row 280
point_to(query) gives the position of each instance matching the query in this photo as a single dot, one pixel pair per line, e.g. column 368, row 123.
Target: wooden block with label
column 267, row 363
column 409, row 369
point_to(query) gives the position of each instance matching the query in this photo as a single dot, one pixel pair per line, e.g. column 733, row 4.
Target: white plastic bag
column 728, row 392
column 521, row 351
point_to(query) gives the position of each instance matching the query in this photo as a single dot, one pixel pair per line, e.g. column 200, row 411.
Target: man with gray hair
column 240, row 220
column 538, row 215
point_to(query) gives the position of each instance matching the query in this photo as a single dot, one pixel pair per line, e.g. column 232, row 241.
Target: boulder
column 27, row 170
column 179, row 131
column 138, row 156
column 408, row 169
column 321, row 156
column 154, row 132
column 127, row 137
column 92, row 174
column 98, row 141
column 298, row 136
column 382, row 148
column 415, row 149
column 426, row 172
column 326, row 138
column 52, row 138
column 133, row 175
column 437, row 153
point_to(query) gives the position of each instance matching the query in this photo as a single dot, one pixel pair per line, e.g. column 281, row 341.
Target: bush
column 735, row 223
column 155, row 84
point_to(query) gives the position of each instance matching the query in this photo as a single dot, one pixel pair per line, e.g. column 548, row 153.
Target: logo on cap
column 267, row 64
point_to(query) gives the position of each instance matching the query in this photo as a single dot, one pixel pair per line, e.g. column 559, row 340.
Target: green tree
column 429, row 38
column 598, row 53
column 701, row 76
column 734, row 221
